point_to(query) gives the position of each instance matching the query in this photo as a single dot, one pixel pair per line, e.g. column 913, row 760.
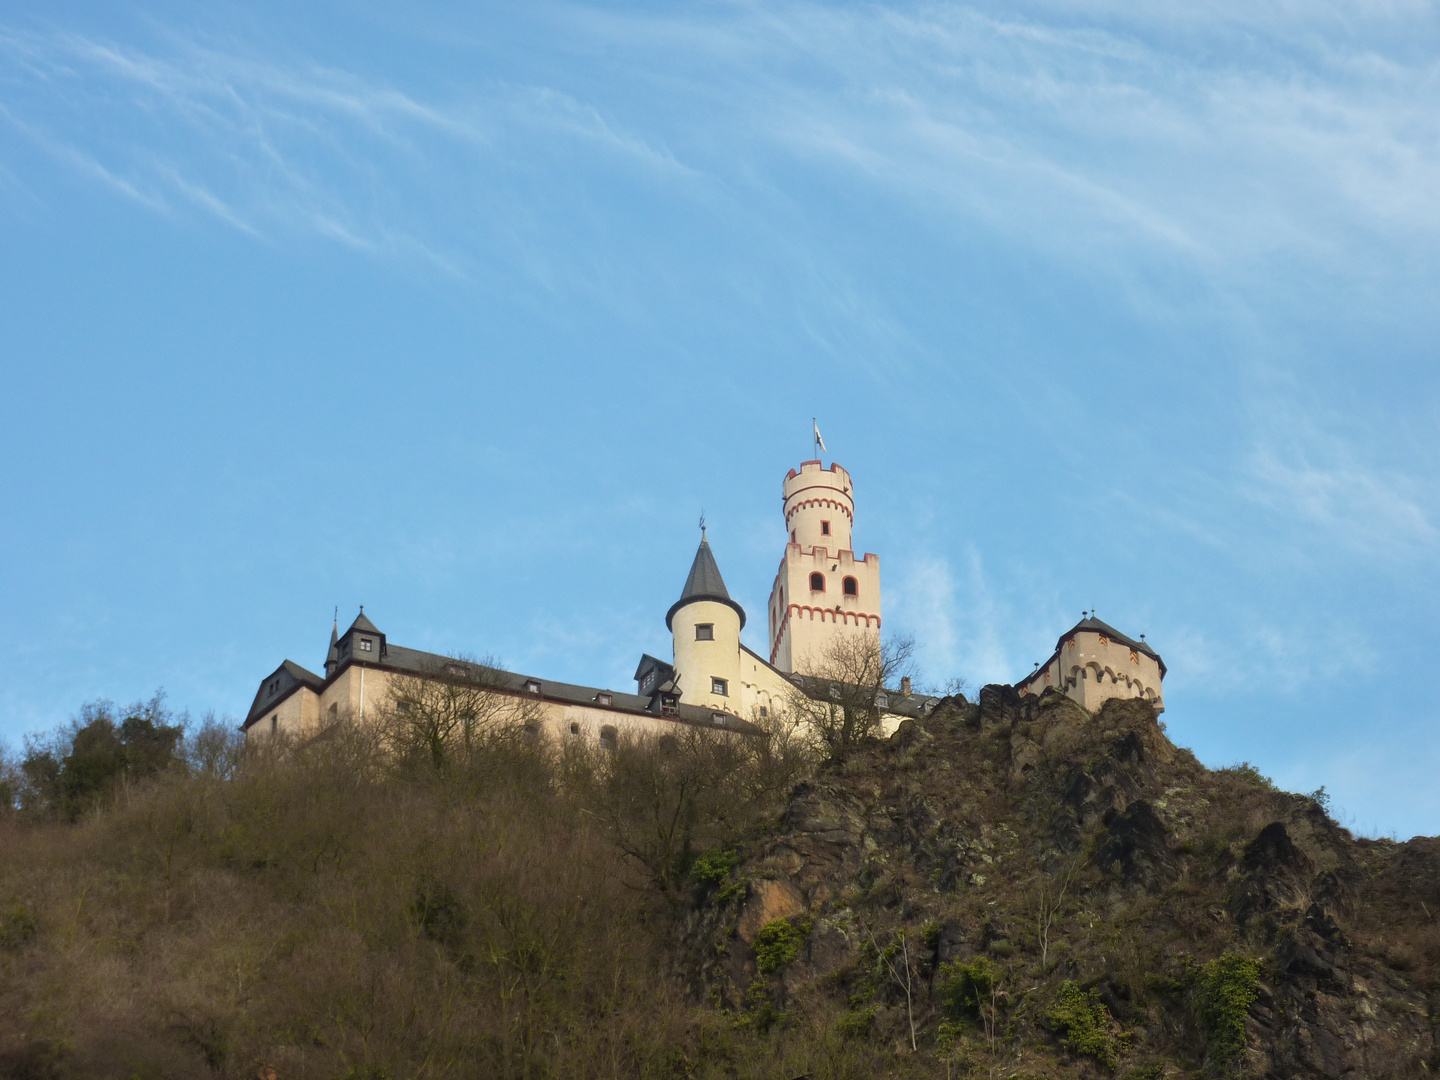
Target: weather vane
column 702, row 523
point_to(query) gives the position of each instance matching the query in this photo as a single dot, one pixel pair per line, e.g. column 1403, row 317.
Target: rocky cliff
column 1020, row 888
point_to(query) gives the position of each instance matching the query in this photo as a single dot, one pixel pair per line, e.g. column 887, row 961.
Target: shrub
column 1225, row 988
column 965, row 988
column 713, row 867
column 856, row 1023
column 17, row 927
column 777, row 945
column 1084, row 1024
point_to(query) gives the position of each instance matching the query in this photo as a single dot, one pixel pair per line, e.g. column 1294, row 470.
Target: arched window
column 817, row 582
column 608, row 738
column 852, row 587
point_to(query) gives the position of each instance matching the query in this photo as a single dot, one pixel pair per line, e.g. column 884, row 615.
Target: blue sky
column 465, row 312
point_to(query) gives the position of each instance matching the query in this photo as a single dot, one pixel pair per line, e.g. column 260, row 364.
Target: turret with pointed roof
column 705, row 626
column 704, row 583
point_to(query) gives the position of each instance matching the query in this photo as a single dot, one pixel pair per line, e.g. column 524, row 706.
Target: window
column 574, row 728
column 764, row 712
column 532, row 687
column 719, row 686
column 532, row 732
column 824, row 528
column 704, row 631
column 455, row 669
column 603, row 699
column 881, row 700
column 647, row 682
column 334, row 712
column 608, row 737
column 365, row 644
column 274, row 723
column 792, row 536
column 852, row 587
column 669, row 705
column 817, row 582
column 718, row 719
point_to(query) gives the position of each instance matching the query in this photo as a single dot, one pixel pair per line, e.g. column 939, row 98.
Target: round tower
column 822, row 592
column 706, row 626
column 819, row 507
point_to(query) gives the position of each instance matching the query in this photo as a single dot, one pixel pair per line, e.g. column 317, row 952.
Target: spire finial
column 337, row 616
column 362, row 609
column 702, row 524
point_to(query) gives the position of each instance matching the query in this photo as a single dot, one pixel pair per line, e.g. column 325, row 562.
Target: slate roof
column 907, row 705
column 704, row 583
column 1094, row 625
column 405, row 661
column 364, row 624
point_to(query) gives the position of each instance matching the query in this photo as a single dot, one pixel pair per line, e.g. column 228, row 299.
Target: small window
column 532, row 687
column 574, row 728
column 532, row 732
column 608, row 738
column 455, row 669
column 274, row 723
column 400, row 706
column 764, row 712
column 817, row 582
column 719, row 686
column 334, row 711
column 603, row 699
column 365, row 644
column 648, row 682
column 852, row 587
column 881, row 700
column 792, row 536
column 824, row 528
column 669, row 705
column 718, row 719
column 704, row 631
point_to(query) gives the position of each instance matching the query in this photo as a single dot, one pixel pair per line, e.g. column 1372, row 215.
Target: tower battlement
column 822, row 589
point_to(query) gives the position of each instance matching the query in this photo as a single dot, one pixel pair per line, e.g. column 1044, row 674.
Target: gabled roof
column 704, row 583
column 286, row 679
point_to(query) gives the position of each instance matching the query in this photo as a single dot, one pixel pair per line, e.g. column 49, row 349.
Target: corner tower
column 706, row 626
column 822, row 591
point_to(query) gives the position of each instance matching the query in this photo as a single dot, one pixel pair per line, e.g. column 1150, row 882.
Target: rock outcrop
column 1209, row 923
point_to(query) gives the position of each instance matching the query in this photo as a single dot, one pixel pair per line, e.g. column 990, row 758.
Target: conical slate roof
column 704, row 583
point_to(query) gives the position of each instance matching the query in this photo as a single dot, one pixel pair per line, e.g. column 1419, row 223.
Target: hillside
column 1022, row 889
column 1014, row 888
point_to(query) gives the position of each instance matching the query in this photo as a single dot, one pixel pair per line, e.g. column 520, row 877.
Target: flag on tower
column 818, row 440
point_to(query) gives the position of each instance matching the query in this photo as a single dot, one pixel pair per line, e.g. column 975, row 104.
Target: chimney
column 905, row 686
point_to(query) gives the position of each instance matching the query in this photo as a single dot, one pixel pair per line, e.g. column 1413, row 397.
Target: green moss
column 965, row 988
column 1225, row 988
column 1084, row 1025
column 777, row 945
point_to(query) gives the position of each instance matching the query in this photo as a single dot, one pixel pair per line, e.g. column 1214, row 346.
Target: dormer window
column 704, row 631
column 648, row 682
column 720, row 686
column 824, row 528
column 455, row 669
column 669, row 705
column 365, row 644
column 718, row 719
column 881, row 700
column 532, row 687
column 602, row 698
column 852, row 587
column 817, row 582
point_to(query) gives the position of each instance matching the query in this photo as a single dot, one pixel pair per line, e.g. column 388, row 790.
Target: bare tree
column 453, row 711
column 1048, row 904
column 896, row 958
column 840, row 698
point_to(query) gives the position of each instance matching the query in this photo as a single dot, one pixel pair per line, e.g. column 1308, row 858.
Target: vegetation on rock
column 1005, row 888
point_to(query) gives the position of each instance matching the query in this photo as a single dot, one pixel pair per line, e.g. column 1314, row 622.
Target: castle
column 822, row 595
